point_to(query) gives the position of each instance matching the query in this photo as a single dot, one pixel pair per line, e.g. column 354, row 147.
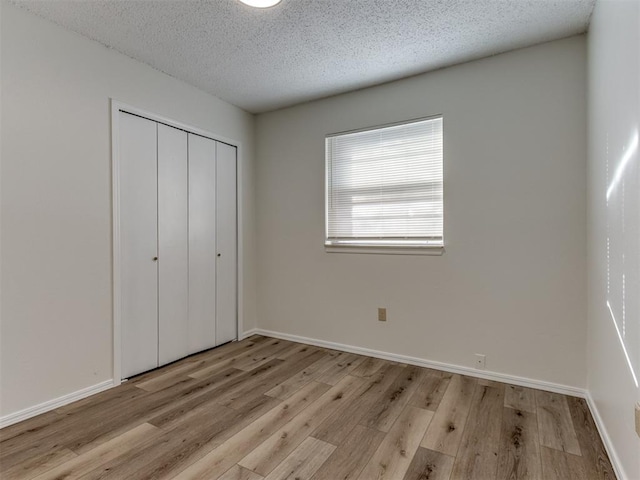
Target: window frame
column 377, row 246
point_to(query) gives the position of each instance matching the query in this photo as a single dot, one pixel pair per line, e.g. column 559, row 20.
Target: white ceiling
column 300, row 50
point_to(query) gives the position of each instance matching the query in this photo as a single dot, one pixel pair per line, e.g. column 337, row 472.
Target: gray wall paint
column 614, row 120
column 511, row 284
column 56, row 200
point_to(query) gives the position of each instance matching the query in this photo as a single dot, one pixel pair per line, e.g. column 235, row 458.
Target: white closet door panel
column 138, row 246
column 173, row 273
column 202, row 243
column 226, row 235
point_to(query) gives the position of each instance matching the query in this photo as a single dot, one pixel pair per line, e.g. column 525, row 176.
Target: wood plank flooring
column 269, row 409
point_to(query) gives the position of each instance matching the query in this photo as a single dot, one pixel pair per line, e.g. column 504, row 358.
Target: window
column 384, row 188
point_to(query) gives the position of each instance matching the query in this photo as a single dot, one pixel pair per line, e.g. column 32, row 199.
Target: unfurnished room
column 320, row 239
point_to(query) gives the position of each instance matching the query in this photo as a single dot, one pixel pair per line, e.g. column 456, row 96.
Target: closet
column 177, row 243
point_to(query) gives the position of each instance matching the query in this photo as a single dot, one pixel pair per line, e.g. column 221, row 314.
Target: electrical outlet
column 382, row 314
column 480, row 361
column 638, row 419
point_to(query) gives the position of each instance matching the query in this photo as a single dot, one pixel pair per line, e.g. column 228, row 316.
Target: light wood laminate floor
column 271, row 409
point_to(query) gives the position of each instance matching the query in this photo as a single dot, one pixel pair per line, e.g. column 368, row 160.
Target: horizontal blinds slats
column 386, row 184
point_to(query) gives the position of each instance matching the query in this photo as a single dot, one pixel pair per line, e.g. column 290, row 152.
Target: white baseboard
column 21, row 415
column 421, row 362
column 248, row 333
column 606, row 439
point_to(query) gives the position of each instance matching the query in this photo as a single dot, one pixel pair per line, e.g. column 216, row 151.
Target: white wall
column 614, row 122
column 512, row 283
column 56, row 200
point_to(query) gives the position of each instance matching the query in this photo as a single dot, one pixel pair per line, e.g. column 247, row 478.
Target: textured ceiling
column 301, row 50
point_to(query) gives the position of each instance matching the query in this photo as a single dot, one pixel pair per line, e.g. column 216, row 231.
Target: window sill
column 384, row 250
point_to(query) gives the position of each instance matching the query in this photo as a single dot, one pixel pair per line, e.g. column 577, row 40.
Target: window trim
column 424, row 248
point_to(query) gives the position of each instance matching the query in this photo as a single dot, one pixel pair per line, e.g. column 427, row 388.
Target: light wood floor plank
column 231, row 362
column 393, row 457
column 348, row 460
column 298, row 348
column 304, row 461
column 82, row 464
column 478, row 453
column 386, row 410
column 520, row 398
column 202, row 418
column 180, row 447
column 519, row 457
column 596, row 460
column 30, row 426
column 33, row 466
column 174, row 372
column 341, row 368
column 368, row 367
column 431, row 391
column 338, row 425
column 291, row 385
column 429, row 465
column 275, row 449
column 445, row 432
column 218, row 461
column 557, row 465
column 555, row 426
column 244, row 393
column 262, row 357
column 239, row 473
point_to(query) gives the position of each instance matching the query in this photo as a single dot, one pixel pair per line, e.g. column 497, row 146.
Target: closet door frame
column 116, row 108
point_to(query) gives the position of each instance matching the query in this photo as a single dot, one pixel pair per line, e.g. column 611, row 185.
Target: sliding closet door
column 202, row 243
column 173, row 273
column 137, row 178
column 226, row 235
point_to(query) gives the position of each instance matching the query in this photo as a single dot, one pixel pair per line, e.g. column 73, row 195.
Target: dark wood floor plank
column 429, row 465
column 596, row 461
column 478, row 454
column 519, row 456
column 348, row 460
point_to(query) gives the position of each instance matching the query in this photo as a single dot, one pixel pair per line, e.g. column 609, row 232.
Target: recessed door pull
column 155, row 259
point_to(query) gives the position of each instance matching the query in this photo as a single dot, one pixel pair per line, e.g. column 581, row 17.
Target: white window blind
column 384, row 186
